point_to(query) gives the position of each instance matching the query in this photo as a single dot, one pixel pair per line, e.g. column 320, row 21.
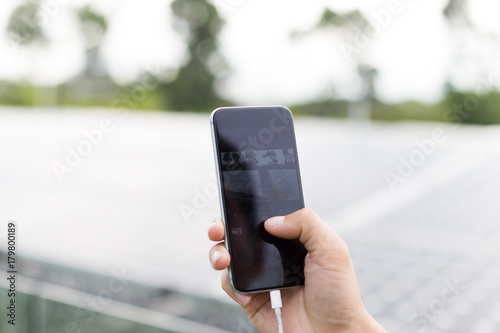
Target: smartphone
column 258, row 177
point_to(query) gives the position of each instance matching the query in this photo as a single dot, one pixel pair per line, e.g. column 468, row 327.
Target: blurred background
column 107, row 167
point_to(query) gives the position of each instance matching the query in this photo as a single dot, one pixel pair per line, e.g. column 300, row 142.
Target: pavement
column 114, row 192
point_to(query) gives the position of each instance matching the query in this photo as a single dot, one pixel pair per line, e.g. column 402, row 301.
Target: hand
column 330, row 300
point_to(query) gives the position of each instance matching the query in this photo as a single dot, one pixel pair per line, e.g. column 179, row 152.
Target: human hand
column 328, row 302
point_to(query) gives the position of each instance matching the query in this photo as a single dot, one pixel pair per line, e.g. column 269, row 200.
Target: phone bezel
column 221, row 191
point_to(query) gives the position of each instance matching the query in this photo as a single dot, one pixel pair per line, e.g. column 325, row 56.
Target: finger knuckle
column 307, row 212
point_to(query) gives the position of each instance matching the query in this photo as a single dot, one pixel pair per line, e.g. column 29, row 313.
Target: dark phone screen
column 260, row 178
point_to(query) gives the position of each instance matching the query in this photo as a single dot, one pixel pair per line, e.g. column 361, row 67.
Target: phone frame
column 220, row 183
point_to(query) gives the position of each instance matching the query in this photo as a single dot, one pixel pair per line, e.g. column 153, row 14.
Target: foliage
column 87, row 14
column 456, row 11
column 193, row 89
column 16, row 94
column 327, row 108
column 93, row 24
column 352, row 19
column 23, row 28
column 469, row 108
column 462, row 107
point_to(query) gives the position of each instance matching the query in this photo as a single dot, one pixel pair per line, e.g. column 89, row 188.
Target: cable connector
column 276, row 305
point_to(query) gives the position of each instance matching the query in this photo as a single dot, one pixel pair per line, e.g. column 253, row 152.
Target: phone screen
column 259, row 178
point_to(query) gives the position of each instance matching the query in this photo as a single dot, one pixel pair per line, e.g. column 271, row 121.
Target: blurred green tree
column 463, row 106
column 24, row 27
column 93, row 27
column 460, row 30
column 455, row 12
column 468, row 108
column 194, row 87
column 93, row 85
column 351, row 26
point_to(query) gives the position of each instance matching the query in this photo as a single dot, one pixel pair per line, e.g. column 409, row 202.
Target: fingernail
column 211, row 225
column 215, row 256
column 243, row 299
column 274, row 221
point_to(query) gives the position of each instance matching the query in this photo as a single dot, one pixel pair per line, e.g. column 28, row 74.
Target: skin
column 330, row 300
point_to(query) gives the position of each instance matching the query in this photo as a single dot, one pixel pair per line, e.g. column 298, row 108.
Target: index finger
column 216, row 230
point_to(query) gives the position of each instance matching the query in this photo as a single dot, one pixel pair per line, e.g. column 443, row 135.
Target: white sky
column 412, row 53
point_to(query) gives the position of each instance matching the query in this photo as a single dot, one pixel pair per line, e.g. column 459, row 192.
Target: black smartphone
column 258, row 176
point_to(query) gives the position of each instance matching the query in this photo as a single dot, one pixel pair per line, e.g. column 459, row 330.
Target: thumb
column 306, row 226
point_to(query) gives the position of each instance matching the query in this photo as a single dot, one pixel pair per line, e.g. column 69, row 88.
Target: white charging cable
column 276, row 305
